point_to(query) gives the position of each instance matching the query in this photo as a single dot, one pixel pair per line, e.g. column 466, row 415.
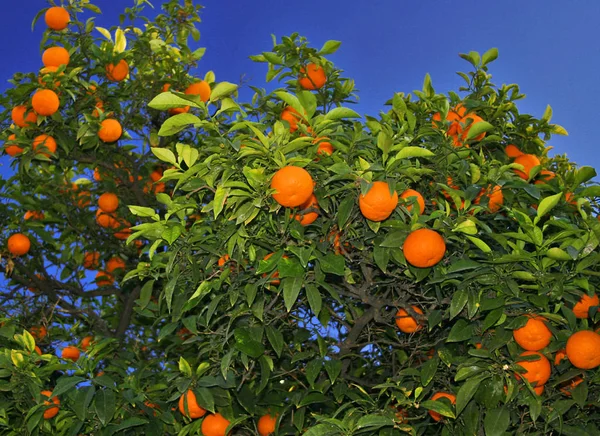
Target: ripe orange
column 560, row 355
column 312, row 77
column 85, row 342
column 19, row 244
column 512, row 151
column 123, row 229
column 266, row 425
column 200, row 88
column 223, row 260
column 99, row 107
column 45, row 102
column 38, row 332
column 214, row 425
column 71, row 353
column 110, row 130
column 567, row 386
column 293, row 186
column 118, row 72
column 38, row 350
column 545, row 176
column 582, row 308
column 104, row 279
column 494, row 195
column 106, row 220
column 194, row 410
column 534, row 335
column 324, row 147
column 108, row 202
column 91, row 260
column 12, row 149
column 57, row 18
column 436, row 416
column 378, row 204
column 55, row 57
column 115, row 263
column 454, row 115
column 424, row 248
column 292, row 116
column 306, row 217
column 412, row 194
column 46, row 141
column 528, row 161
column 34, row 215
column 537, row 372
column 19, row 118
column 51, row 411
column 583, row 349
column 406, row 323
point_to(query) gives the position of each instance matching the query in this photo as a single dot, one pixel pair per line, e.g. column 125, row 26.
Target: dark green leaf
column 496, row 421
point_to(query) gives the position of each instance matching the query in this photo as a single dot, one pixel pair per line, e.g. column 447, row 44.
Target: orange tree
column 286, row 266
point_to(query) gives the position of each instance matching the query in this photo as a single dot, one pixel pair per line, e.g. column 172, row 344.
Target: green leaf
column 247, row 345
column 205, row 398
column 128, row 423
column 466, row 392
column 164, row 154
column 290, row 267
column 341, row 112
column 329, row 47
column 184, row 367
column 312, row 370
column 547, row 204
column 489, row 56
column 168, row 100
column 333, row 264
column 273, row 58
column 105, row 405
column 291, row 289
column 315, row 300
column 373, row 422
column 334, row 369
column 177, row 123
column 428, row 370
column 496, row 421
column 308, row 101
column 477, row 129
column 82, row 401
column 275, row 339
column 439, row 406
column 66, row 384
column 143, row 211
column 219, row 201
column 461, row 331
column 459, row 300
column 547, row 114
column 584, row 174
column 221, row 90
column 344, row 211
column 413, row 151
column 480, row 244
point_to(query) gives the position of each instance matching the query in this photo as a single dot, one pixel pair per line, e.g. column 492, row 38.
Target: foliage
column 309, row 333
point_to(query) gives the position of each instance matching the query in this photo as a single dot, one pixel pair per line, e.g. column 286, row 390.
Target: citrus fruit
column 201, row 88
column 194, row 410
column 424, row 248
column 312, row 77
column 413, row 196
column 57, row 18
column 266, row 425
column 118, row 72
column 110, row 131
column 45, row 141
column 45, row 102
column 534, row 335
column 307, row 213
column 18, row 244
column 406, row 323
column 529, row 161
column 378, row 203
column 583, row 349
column 214, row 425
column 108, row 202
column 436, row 416
column 55, row 57
column 537, row 372
column 50, row 412
column 583, row 306
column 293, row 186
column 70, row 353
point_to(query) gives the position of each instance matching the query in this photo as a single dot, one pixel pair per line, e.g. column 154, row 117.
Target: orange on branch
column 115, row 263
column 38, row 332
column 494, row 195
column 378, row 203
column 70, row 353
column 407, row 323
column 110, row 130
column 11, row 148
column 424, row 248
column 201, row 88
column 214, row 425
column 567, row 386
column 45, row 141
column 534, row 335
column 108, row 202
column 308, row 211
column 20, row 119
column 583, row 349
column 560, row 356
column 45, row 102
column 118, row 72
column 537, row 372
column 583, row 306
column 91, row 260
column 55, row 57
column 512, row 151
column 292, row 116
column 434, row 415
column 104, row 279
column 195, row 411
column 544, row 177
column 57, row 18
column 50, row 412
column 293, row 186
column 266, row 425
column 85, row 342
column 411, row 194
column 18, row 244
column 312, row 77
column 106, row 220
column 529, row 161
column 34, row 215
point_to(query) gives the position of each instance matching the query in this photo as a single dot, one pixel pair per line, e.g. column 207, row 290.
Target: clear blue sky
column 550, row 48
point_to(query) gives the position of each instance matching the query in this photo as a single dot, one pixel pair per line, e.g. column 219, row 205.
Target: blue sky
column 550, row 48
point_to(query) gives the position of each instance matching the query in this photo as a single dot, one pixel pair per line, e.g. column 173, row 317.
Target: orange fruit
column 45, row 72
column 194, row 410
column 534, row 335
column 266, row 425
column 45, row 102
column 436, row 416
column 582, row 308
column 91, row 260
column 123, row 230
column 512, row 151
column 424, row 248
column 494, row 195
column 275, row 275
column 12, row 149
column 55, row 57
column 467, row 122
column 51, row 411
column 34, row 215
column 200, row 88
column 110, row 131
column 106, row 219
column 85, row 342
column 292, row 116
column 406, row 323
column 306, row 216
column 99, row 107
column 312, row 77
column 46, row 141
column 115, row 263
column 545, row 176
column 118, row 72
column 324, row 147
column 411, row 193
column 378, row 204
column 70, row 353
column 537, row 372
column 18, row 244
column 214, row 425
column 108, row 202
column 104, row 279
column 528, row 161
column 583, row 349
column 567, row 386
column 38, row 350
column 19, row 118
column 560, row 355
column 453, row 115
column 38, row 332
column 223, row 260
column 293, row 186
column 57, row 18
